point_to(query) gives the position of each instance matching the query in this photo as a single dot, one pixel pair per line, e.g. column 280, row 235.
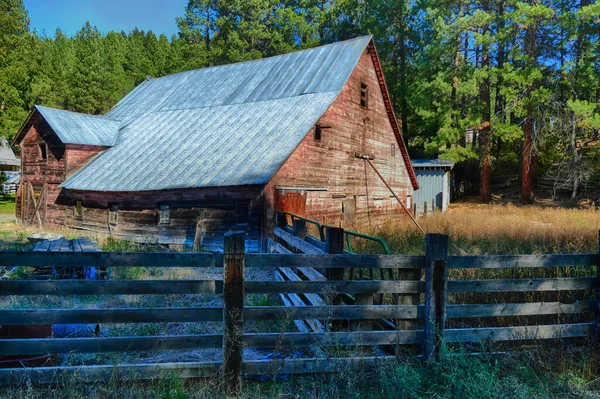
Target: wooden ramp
column 81, row 244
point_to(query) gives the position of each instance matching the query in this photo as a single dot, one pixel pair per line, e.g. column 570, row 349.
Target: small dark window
column 78, row 210
column 43, row 152
column 364, row 95
column 393, row 152
column 113, row 215
column 163, row 214
column 318, row 132
column 242, row 210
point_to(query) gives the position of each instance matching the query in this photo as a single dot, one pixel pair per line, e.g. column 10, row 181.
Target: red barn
column 223, row 148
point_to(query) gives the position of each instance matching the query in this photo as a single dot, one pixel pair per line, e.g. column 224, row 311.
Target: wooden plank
column 315, row 242
column 296, row 340
column 333, row 312
column 89, row 316
column 183, row 370
column 126, row 259
column 313, row 299
column 43, row 247
column 521, row 261
column 270, row 261
column 300, row 324
column 522, row 285
column 326, row 287
column 296, row 242
column 518, row 309
column 295, row 299
column 110, row 287
column 312, row 274
column 37, row 346
column 518, row 333
column 72, row 374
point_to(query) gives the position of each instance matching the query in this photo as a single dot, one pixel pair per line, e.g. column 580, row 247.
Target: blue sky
column 70, row 15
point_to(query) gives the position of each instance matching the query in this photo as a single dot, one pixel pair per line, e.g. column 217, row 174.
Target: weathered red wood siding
column 224, row 210
column 78, row 155
column 330, row 163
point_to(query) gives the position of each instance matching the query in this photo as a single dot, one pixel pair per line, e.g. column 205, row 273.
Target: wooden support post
column 281, row 220
column 415, row 211
column 300, row 228
column 424, row 208
column 233, row 308
column 597, row 307
column 334, row 244
column 433, row 206
column 199, row 230
column 436, row 292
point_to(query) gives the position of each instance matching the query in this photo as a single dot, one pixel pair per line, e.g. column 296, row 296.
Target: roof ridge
column 262, row 59
column 38, row 106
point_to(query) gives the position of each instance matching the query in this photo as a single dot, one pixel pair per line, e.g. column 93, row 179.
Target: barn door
column 34, row 209
column 292, row 202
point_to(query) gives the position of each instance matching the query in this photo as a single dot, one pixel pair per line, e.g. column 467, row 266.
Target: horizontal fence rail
column 417, row 311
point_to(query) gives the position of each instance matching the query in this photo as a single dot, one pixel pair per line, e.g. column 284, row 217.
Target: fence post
column 597, row 307
column 299, row 226
column 233, row 307
column 436, row 292
column 281, row 220
column 334, row 244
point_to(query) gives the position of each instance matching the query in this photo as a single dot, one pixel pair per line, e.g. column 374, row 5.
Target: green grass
column 7, row 204
column 557, row 372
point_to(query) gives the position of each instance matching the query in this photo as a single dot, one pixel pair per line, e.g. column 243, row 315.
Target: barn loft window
column 163, row 214
column 113, row 215
column 393, row 150
column 43, row 152
column 78, row 210
column 364, row 95
column 318, row 132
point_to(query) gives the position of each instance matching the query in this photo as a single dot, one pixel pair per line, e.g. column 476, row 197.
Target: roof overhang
column 390, row 111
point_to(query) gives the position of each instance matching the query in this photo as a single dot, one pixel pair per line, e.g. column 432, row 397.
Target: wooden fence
column 426, row 314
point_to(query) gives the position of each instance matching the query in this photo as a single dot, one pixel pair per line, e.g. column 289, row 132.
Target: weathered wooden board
column 293, row 340
column 518, row 333
column 524, row 261
column 328, row 287
column 36, row 346
column 522, row 285
column 297, row 243
column 270, row 261
column 109, row 287
column 89, row 316
column 333, row 312
column 99, row 259
column 517, row 309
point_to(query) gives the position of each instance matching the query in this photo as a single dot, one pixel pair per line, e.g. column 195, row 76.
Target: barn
column 223, row 148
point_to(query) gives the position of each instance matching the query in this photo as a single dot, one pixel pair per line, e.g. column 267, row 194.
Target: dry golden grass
column 502, row 229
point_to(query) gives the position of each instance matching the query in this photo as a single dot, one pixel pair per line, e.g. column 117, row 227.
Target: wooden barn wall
column 219, row 210
column 78, row 155
column 330, row 163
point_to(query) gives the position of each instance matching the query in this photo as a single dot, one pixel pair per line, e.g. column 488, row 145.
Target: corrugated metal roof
column 432, row 163
column 220, row 126
column 75, row 128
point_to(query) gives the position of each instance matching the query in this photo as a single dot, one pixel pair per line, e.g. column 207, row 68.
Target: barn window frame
column 364, row 95
column 113, row 215
column 43, row 151
column 78, row 210
column 164, row 214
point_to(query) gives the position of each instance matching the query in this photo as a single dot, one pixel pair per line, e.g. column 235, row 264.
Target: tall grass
column 501, row 229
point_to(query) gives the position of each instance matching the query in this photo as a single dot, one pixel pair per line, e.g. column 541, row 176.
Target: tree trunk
column 527, row 155
column 402, row 55
column 484, row 92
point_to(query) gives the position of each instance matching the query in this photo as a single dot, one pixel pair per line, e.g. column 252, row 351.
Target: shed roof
column 432, row 163
column 7, row 156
